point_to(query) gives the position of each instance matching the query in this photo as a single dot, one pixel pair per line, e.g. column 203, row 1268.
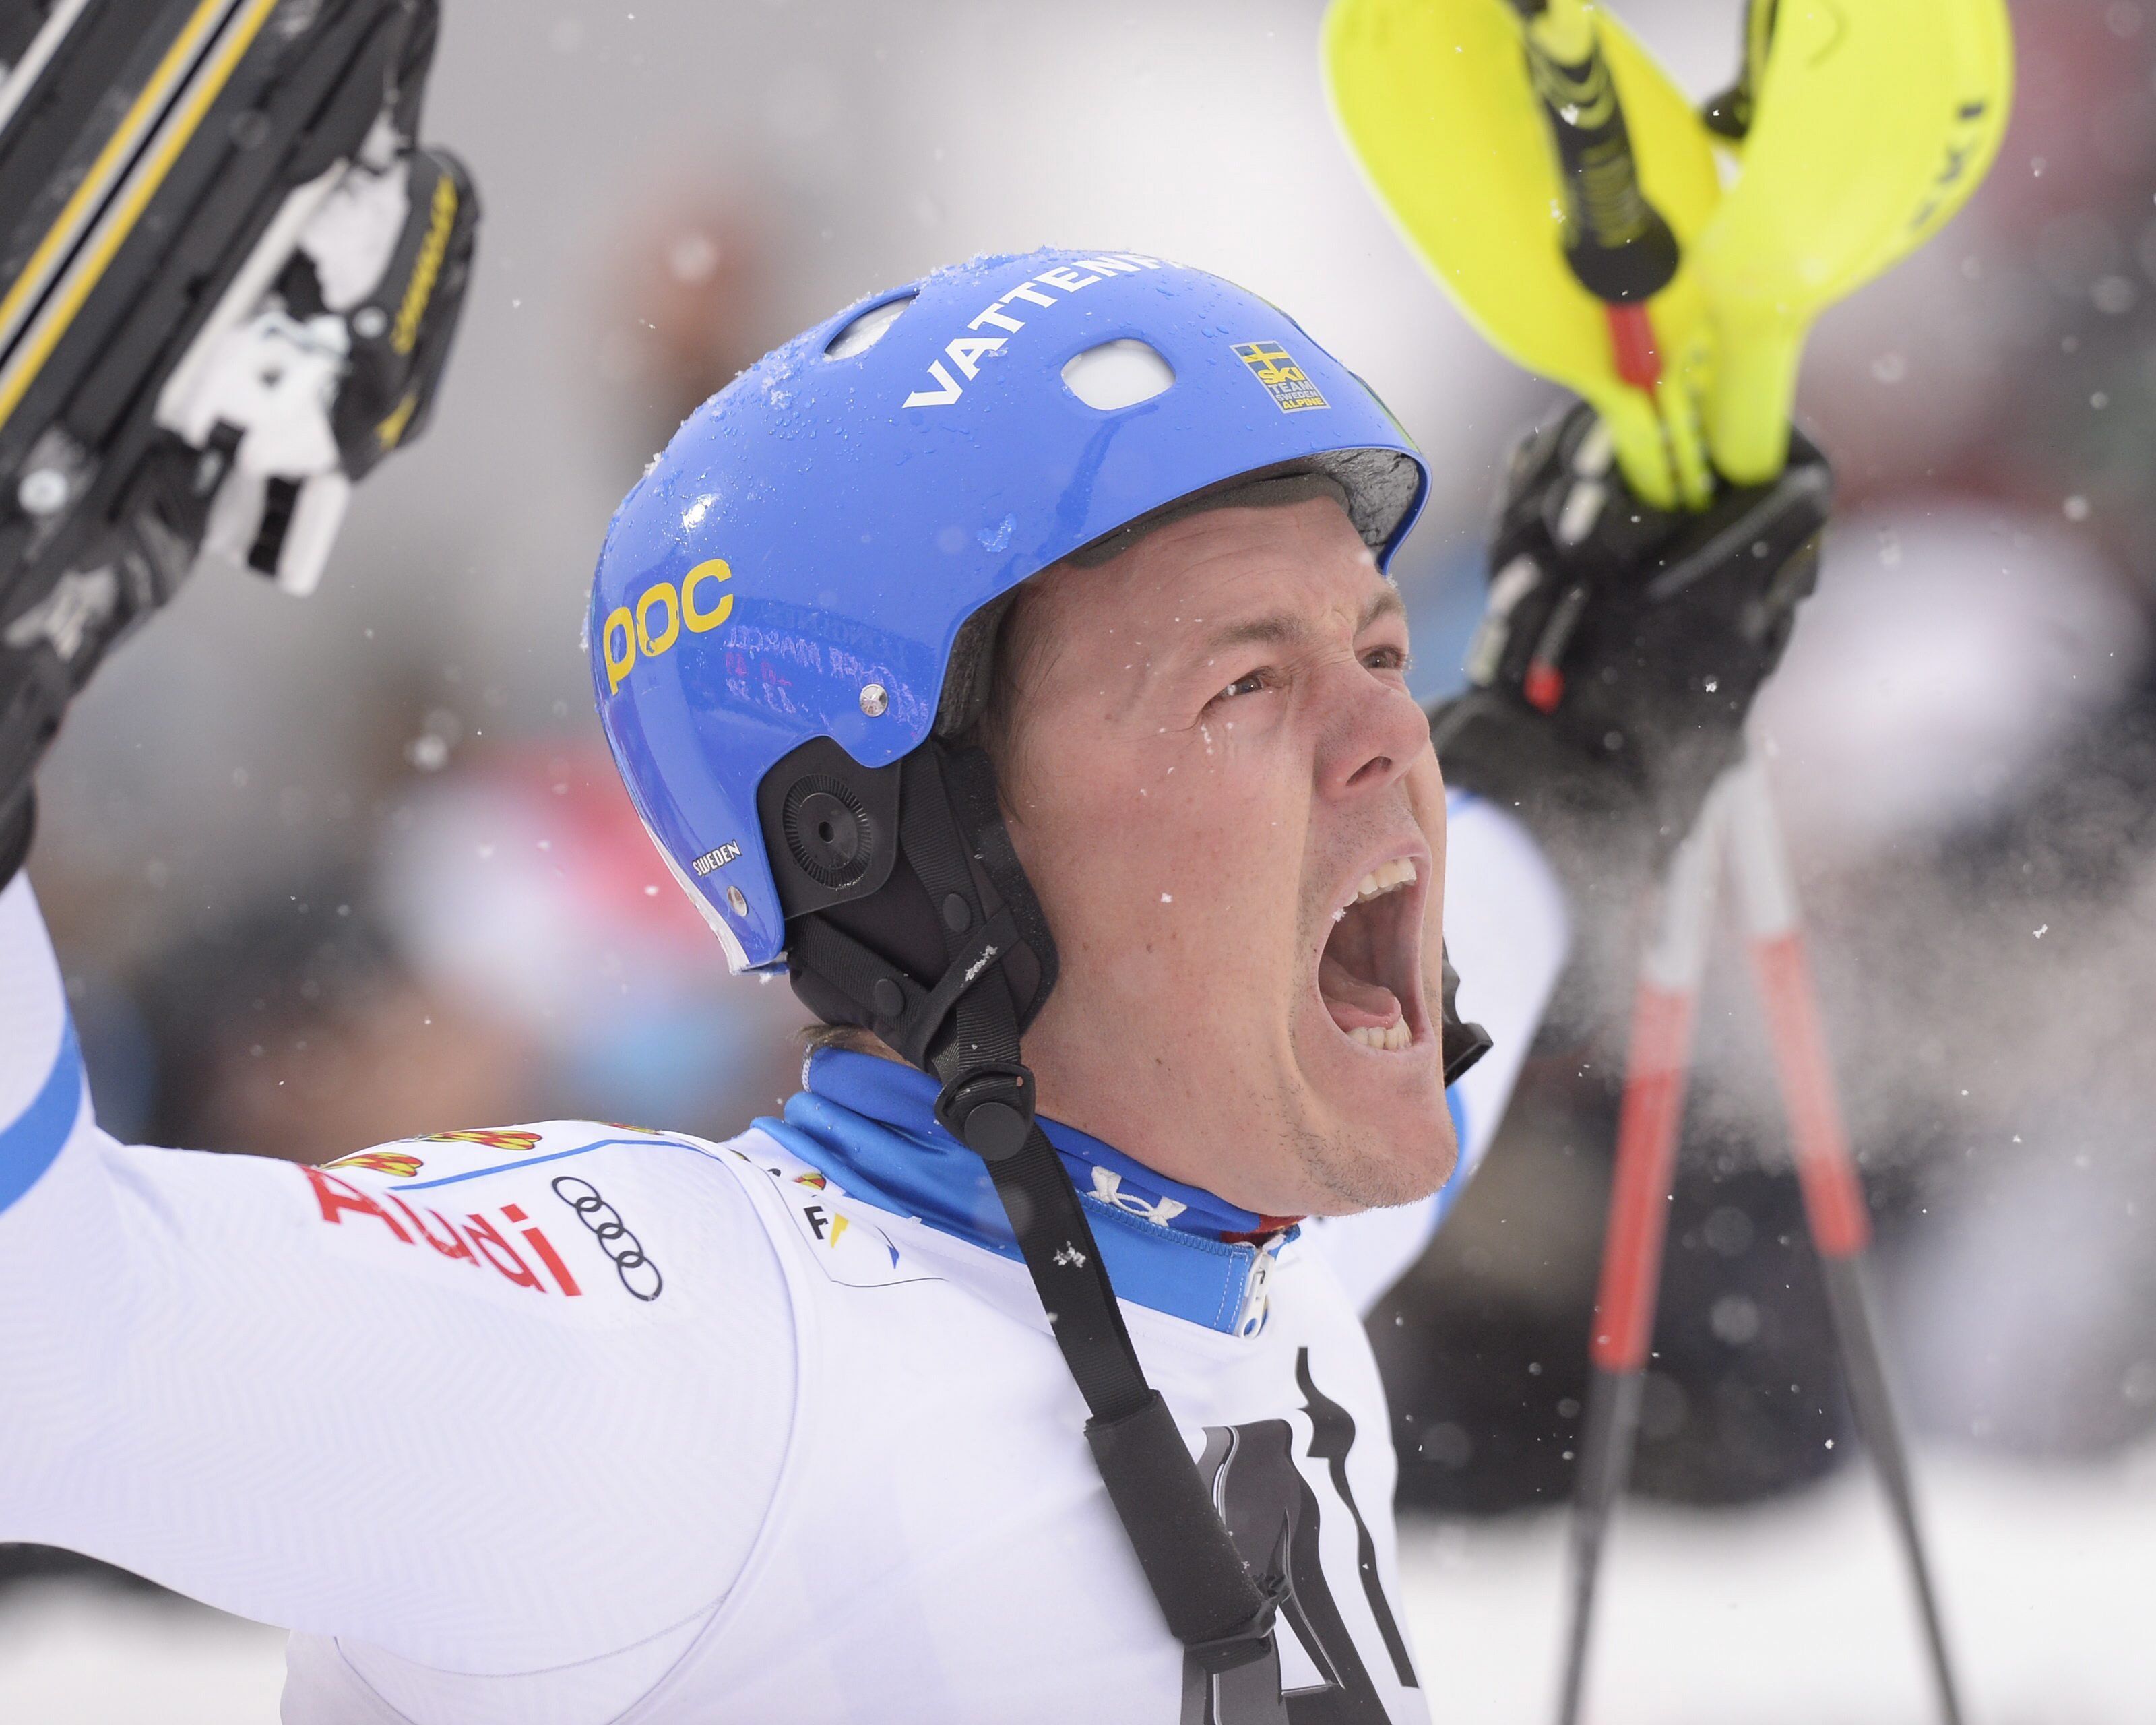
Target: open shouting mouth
column 1369, row 975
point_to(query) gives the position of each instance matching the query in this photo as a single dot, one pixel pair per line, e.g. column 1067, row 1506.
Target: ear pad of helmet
column 835, row 832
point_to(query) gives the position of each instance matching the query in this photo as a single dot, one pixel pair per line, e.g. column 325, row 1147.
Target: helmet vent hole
column 1117, row 374
column 828, row 831
column 865, row 332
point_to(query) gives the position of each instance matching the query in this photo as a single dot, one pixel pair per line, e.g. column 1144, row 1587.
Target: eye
column 1385, row 659
column 1249, row 684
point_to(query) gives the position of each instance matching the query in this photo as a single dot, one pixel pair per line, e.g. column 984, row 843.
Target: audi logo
column 638, row 1273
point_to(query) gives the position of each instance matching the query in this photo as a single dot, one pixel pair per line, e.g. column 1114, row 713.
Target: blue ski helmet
column 801, row 561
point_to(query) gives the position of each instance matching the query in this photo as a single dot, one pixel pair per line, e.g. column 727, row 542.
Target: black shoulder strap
column 1212, row 1603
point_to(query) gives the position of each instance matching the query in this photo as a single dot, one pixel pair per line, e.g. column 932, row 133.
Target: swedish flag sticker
column 1283, row 378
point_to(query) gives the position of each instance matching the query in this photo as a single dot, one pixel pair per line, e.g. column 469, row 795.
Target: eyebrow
column 1286, row 629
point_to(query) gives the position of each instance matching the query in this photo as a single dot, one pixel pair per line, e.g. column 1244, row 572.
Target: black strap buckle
column 989, row 1110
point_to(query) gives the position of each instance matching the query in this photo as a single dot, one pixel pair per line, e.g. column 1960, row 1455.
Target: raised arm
column 435, row 1421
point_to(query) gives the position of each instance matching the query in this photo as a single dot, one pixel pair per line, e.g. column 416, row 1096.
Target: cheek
column 1184, row 887
column 1080, row 826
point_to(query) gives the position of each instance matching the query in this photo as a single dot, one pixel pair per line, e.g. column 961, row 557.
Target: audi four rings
column 638, row 1273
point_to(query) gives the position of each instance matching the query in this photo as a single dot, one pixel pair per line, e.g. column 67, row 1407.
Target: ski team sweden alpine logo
column 1282, row 376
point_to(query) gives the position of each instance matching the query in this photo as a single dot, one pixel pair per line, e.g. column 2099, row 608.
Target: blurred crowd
column 323, row 876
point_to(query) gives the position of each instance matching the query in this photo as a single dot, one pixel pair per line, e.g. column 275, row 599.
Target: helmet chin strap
column 963, row 1028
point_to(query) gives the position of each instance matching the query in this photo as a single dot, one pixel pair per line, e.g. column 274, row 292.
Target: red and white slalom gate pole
column 1657, row 1064
column 1835, row 1210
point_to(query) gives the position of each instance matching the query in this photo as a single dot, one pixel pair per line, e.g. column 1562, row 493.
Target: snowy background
column 327, row 874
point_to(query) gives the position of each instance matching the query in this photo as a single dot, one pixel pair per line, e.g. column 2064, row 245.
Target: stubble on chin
column 1360, row 1171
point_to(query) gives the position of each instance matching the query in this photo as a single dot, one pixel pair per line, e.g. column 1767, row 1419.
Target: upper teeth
column 1386, row 877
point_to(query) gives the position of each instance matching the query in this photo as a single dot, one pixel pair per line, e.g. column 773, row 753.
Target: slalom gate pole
column 1663, row 1012
column 1622, row 252
column 1834, row 1208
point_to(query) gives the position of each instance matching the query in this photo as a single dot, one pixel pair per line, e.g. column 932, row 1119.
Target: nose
column 1374, row 732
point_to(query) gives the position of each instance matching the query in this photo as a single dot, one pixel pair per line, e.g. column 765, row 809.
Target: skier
column 1010, row 659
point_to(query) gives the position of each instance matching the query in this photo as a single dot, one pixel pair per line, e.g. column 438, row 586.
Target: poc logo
column 660, row 615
